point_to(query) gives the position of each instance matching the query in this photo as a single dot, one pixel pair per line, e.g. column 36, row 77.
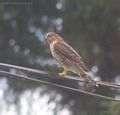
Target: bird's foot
column 63, row 74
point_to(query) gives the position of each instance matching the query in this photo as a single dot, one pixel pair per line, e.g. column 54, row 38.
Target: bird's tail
column 84, row 74
column 87, row 76
column 89, row 83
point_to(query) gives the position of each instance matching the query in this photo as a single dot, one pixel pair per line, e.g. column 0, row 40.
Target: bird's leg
column 64, row 72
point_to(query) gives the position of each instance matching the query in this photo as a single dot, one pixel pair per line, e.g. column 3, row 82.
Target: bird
column 66, row 56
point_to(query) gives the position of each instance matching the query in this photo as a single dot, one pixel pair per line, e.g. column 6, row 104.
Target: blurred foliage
column 90, row 26
column 96, row 26
column 115, row 108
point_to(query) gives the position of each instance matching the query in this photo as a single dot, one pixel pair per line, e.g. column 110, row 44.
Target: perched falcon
column 66, row 56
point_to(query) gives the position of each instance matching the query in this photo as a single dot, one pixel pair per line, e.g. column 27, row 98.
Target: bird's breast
column 57, row 56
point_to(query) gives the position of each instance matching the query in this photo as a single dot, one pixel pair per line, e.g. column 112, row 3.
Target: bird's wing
column 65, row 50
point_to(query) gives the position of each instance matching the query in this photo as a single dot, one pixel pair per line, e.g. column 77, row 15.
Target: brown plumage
column 66, row 56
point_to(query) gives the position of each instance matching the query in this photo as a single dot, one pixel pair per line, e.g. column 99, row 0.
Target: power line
column 11, row 75
column 2, row 65
column 102, row 83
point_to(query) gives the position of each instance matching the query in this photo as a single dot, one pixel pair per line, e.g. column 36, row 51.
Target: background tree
column 90, row 26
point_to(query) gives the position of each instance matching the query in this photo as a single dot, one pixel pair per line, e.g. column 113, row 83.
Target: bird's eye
column 50, row 34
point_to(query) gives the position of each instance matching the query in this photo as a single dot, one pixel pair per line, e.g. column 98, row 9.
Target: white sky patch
column 59, row 5
column 32, row 29
column 39, row 34
column 45, row 62
column 3, row 87
column 44, row 19
column 30, row 102
column 64, row 112
column 11, row 110
column 37, row 31
column 117, row 79
column 117, row 97
column 24, row 105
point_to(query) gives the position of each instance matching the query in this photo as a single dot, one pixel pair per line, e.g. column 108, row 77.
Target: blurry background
column 92, row 27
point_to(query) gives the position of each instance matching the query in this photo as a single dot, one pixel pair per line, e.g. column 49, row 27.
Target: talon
column 64, row 73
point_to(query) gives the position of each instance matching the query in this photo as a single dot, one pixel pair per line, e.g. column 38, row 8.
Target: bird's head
column 51, row 37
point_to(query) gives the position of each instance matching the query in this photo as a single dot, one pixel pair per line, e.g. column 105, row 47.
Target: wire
column 102, row 83
column 7, row 74
column 22, row 68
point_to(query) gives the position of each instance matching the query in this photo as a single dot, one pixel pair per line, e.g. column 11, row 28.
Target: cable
column 7, row 74
column 22, row 68
column 102, row 83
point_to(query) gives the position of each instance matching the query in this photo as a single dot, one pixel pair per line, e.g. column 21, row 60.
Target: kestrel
column 66, row 56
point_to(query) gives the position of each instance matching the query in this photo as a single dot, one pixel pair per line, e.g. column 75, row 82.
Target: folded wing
column 68, row 53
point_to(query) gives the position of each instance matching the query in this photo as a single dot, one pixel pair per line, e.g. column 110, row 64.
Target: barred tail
column 85, row 75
